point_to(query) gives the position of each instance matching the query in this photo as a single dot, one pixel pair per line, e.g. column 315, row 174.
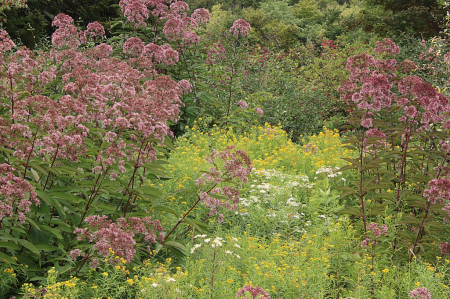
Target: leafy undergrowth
column 287, row 238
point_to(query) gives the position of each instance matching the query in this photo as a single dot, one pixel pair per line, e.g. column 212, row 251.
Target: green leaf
column 384, row 195
column 46, row 247
column 35, row 175
column 177, row 245
column 10, row 245
column 137, row 214
column 52, row 230
column 405, row 235
column 180, row 254
column 58, row 222
column 66, row 197
column 414, row 197
column 218, row 196
column 63, row 269
column 28, row 246
column 56, row 96
column 347, row 193
column 384, row 171
column 148, row 191
column 375, row 211
column 30, row 221
column 409, row 219
column 345, row 188
column 378, row 186
column 165, row 209
column 350, row 211
column 46, row 198
column 199, row 226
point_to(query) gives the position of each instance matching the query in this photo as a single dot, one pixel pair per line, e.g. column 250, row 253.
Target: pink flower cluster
column 67, row 33
column 119, row 236
column 387, row 46
column 255, row 292
column 103, row 98
column 376, row 231
column 438, row 190
column 241, row 27
column 201, row 16
column 95, row 29
column 180, row 27
column 242, row 104
column 75, row 253
column 259, row 111
column 236, row 167
column 215, row 53
column 136, row 11
column 91, row 83
column 445, row 248
column 16, row 194
column 420, row 293
column 370, row 87
column 6, row 43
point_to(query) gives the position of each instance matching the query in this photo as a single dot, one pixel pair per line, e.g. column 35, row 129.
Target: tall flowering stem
column 80, row 129
column 401, row 134
column 236, row 167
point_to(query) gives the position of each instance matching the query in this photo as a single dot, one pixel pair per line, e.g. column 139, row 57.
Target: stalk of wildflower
column 236, row 167
column 370, row 90
column 438, row 190
column 240, row 27
column 63, row 126
column 376, row 231
column 214, row 250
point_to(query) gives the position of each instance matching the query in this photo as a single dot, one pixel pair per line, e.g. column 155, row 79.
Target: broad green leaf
column 52, row 230
column 35, row 175
column 164, row 208
column 375, row 211
column 30, row 221
column 9, row 245
column 46, row 198
column 177, row 245
column 350, row 211
column 199, row 226
column 46, row 247
column 148, row 191
column 29, row 246
column 347, row 193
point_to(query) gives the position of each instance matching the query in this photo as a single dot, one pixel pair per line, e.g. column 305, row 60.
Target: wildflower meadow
column 155, row 155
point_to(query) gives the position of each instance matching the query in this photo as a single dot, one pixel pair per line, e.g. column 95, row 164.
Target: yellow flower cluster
column 268, row 147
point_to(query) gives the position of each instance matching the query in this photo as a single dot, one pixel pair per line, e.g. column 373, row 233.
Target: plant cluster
column 401, row 134
column 83, row 131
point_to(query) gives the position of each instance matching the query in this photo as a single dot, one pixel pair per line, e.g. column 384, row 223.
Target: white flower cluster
column 247, row 202
column 330, row 171
column 195, row 247
column 217, row 242
column 291, row 202
column 264, row 188
column 304, row 182
column 269, row 174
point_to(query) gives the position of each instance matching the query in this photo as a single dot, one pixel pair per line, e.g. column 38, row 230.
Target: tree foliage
column 31, row 23
column 388, row 17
